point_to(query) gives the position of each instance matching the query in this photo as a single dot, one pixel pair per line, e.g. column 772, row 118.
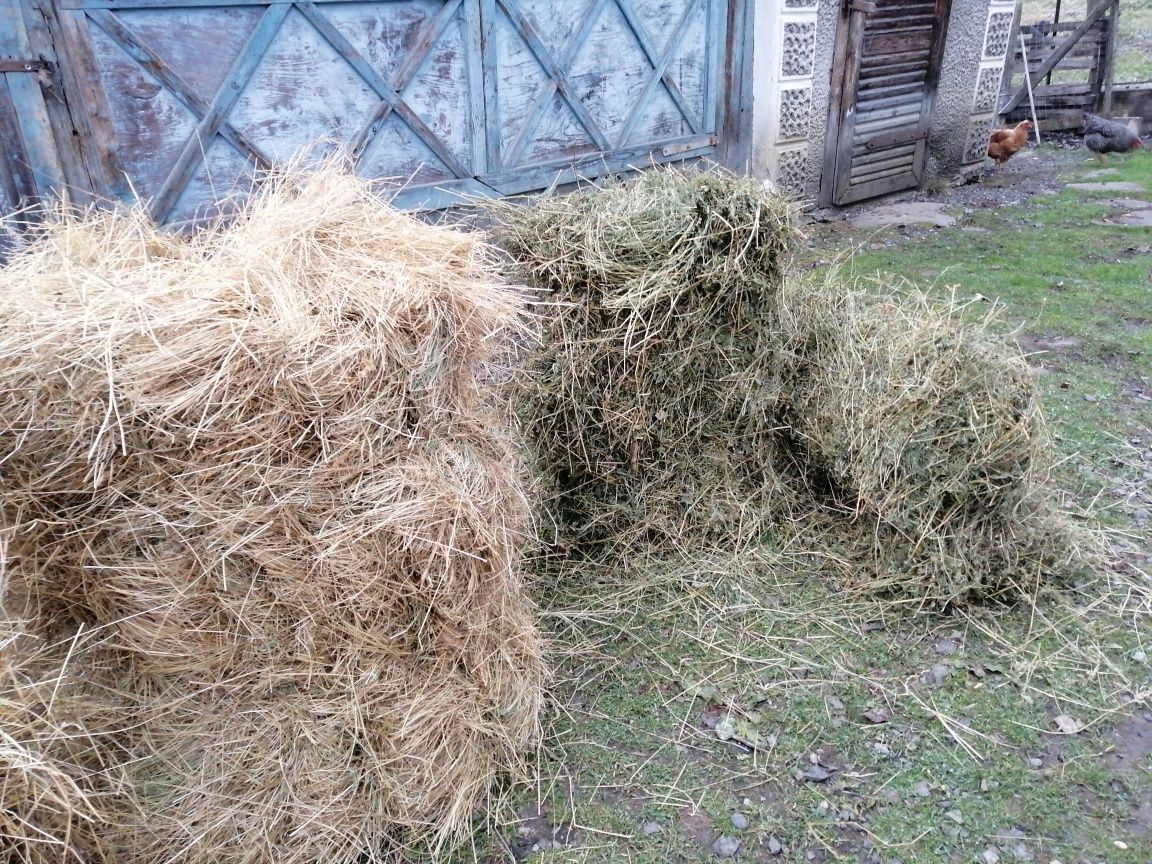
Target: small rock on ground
column 739, row 821
column 725, row 847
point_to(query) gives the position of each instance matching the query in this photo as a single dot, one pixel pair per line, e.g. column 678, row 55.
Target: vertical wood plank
column 89, row 108
column 1108, row 58
column 19, row 185
column 68, row 144
column 713, row 44
column 491, row 80
column 233, row 85
column 474, row 68
column 36, row 144
column 736, row 86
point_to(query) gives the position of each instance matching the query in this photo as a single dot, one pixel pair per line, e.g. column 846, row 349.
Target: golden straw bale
column 269, row 463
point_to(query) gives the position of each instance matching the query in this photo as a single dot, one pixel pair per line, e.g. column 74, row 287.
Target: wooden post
column 1108, row 60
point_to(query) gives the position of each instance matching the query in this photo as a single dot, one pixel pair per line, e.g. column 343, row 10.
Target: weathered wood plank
column 515, row 150
column 646, row 44
column 734, row 108
column 35, row 144
column 374, row 80
column 474, row 69
column 88, row 108
column 237, row 79
column 16, row 178
column 544, row 57
column 597, row 165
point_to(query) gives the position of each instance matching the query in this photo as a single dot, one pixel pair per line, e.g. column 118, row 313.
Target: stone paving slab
column 905, row 213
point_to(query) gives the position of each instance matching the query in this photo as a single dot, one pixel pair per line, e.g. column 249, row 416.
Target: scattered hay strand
column 268, row 463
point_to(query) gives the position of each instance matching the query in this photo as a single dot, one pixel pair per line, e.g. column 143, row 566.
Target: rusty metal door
column 446, row 98
column 884, row 77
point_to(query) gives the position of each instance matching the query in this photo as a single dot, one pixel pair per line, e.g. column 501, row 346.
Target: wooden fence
column 1070, row 66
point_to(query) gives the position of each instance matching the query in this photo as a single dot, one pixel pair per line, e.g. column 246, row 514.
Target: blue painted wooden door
column 444, row 98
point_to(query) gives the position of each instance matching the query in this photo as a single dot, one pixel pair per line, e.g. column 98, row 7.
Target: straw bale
column 269, row 463
column 644, row 400
column 914, row 419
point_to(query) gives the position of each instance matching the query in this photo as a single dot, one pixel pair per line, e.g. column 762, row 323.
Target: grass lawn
column 740, row 703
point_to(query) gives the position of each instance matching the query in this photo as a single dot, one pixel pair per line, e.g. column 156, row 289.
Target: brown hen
column 1003, row 144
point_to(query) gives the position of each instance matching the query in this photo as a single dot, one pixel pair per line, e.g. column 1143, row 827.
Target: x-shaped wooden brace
column 390, row 92
column 557, row 72
column 211, row 115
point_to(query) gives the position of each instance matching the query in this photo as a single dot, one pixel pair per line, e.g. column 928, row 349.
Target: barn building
column 180, row 102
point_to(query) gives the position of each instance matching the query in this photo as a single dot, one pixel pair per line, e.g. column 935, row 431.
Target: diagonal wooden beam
column 139, row 51
column 545, row 91
column 657, row 74
column 544, row 57
column 374, row 80
column 434, row 28
column 1057, row 55
column 649, row 48
column 230, row 89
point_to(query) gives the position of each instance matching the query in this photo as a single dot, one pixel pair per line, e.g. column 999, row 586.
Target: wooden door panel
column 607, row 77
column 888, row 62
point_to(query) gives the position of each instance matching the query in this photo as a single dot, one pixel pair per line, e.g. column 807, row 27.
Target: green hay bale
column 645, row 398
column 925, row 429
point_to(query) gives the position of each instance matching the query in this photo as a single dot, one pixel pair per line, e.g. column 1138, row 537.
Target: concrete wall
column 792, row 52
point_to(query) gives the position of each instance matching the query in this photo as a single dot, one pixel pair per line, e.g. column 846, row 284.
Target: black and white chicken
column 1104, row 136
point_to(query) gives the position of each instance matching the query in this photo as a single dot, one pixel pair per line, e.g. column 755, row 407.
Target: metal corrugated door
column 887, row 67
column 445, row 97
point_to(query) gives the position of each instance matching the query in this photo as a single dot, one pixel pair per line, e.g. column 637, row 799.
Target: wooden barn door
column 191, row 99
column 884, row 76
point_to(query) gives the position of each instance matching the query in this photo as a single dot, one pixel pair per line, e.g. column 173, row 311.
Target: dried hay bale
column 268, row 464
column 911, row 416
column 644, row 400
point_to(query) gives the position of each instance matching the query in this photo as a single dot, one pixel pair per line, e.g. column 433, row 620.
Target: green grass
column 654, row 659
